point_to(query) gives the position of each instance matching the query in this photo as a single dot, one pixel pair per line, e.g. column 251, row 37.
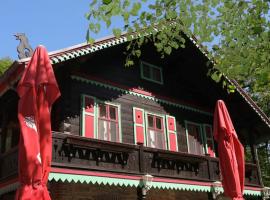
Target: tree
column 238, row 31
column 5, row 64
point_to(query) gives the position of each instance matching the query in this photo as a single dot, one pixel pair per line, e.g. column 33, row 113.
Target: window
column 200, row 139
column 100, row 119
column 194, row 136
column 155, row 131
column 108, row 122
column 210, row 149
column 151, row 72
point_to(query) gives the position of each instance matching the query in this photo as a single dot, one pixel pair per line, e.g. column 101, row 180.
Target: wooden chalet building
column 112, row 125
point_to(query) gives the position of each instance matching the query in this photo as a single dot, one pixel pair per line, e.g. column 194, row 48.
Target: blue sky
column 55, row 24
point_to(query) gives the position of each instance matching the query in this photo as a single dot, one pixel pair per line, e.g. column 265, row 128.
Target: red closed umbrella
column 37, row 90
column 231, row 153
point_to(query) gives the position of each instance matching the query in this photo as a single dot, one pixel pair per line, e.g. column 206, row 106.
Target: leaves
column 237, row 31
column 5, row 63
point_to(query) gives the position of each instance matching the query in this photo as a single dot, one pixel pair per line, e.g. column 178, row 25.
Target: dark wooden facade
column 187, row 93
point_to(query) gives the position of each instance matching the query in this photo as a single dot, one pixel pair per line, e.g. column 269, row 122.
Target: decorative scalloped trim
column 246, row 192
column 124, row 182
column 107, row 86
column 136, row 183
column 87, row 50
column 179, row 186
column 93, row 179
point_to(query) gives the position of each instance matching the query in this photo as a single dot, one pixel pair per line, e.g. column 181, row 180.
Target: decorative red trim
column 134, row 177
column 140, row 91
column 93, row 173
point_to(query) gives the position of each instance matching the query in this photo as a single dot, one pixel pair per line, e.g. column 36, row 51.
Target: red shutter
column 171, row 133
column 88, row 125
column 139, row 128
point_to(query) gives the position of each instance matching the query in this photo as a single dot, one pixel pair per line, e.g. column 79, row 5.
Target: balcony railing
column 90, row 154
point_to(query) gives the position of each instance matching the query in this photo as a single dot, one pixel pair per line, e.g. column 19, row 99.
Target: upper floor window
column 155, row 130
column 195, row 139
column 100, row 119
column 151, row 72
column 200, row 138
column 108, row 122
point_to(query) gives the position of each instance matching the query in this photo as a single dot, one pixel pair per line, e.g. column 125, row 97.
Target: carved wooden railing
column 9, row 164
column 82, row 153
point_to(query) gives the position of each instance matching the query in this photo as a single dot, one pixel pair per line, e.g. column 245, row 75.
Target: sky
column 56, row 24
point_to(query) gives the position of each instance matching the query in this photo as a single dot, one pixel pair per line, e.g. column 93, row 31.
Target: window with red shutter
column 88, row 116
column 155, row 131
column 100, row 120
column 108, row 122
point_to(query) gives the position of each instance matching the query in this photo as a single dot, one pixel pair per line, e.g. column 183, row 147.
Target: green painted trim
column 142, row 63
column 187, row 140
column 61, row 177
column 93, row 179
column 135, row 124
column 107, row 86
column 246, row 192
column 167, row 130
column 179, row 186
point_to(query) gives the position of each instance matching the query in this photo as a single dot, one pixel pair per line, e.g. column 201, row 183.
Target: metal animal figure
column 24, row 49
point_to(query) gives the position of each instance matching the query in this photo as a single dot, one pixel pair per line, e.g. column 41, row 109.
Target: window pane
column 114, row 132
column 112, row 112
column 158, row 123
column 146, row 71
column 195, row 142
column 156, row 74
column 160, row 140
column 151, row 138
column 103, row 130
column 150, row 121
column 102, row 110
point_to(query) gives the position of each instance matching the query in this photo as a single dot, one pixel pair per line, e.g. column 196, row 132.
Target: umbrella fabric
column 231, row 153
column 37, row 90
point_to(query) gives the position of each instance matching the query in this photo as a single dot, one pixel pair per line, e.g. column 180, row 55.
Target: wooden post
column 256, row 159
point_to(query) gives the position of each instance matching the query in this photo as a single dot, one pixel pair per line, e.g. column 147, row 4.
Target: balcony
column 76, row 152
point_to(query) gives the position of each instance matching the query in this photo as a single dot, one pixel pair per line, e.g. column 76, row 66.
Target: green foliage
column 263, row 155
column 5, row 64
column 238, row 31
column 241, row 27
